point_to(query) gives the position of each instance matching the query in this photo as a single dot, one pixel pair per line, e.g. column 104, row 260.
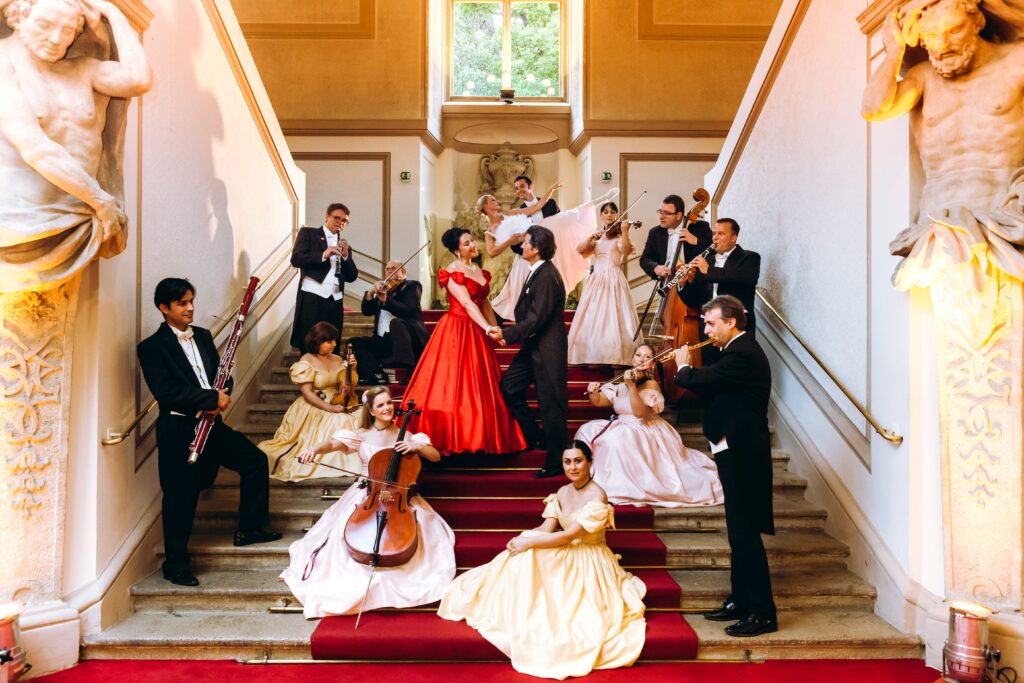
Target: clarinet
column 682, row 272
column 227, row 361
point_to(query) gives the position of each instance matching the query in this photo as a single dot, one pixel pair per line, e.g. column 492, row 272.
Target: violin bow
column 406, row 261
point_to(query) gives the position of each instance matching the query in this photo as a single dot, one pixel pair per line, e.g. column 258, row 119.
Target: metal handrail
column 886, row 434
column 114, row 438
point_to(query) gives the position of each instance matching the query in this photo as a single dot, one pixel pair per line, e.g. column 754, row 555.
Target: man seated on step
column 399, row 333
column 180, row 363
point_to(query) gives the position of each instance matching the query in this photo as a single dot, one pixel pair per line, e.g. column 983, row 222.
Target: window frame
column 506, row 54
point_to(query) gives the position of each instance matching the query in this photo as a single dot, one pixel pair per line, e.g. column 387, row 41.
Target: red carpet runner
column 487, row 500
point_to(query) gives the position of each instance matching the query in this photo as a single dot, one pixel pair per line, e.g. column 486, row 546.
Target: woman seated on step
column 639, row 458
column 319, row 411
column 323, row 574
column 556, row 600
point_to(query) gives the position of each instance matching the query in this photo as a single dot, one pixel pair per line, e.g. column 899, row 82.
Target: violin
column 382, row 530
column 350, row 401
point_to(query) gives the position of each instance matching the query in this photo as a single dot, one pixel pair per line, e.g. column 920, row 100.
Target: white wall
column 206, row 201
column 819, row 193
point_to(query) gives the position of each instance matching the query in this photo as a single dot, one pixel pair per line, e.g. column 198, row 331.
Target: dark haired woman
column 314, row 415
column 456, row 380
column 322, row 573
column 639, row 458
column 556, row 601
column 605, row 321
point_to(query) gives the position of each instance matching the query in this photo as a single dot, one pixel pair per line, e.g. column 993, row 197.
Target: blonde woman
column 323, row 574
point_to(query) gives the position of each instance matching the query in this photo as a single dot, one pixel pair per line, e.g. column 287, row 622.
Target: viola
column 382, row 530
column 350, row 401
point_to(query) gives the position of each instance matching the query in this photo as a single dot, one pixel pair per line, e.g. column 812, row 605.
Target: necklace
column 380, row 429
column 580, row 488
column 471, row 267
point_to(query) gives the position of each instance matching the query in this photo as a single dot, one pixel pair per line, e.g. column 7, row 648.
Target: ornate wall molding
column 365, row 28
column 650, row 29
column 136, row 11
column 36, row 333
column 871, row 18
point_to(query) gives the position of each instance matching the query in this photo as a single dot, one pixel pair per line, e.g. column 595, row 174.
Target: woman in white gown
column 605, row 321
column 322, row 573
column 639, row 458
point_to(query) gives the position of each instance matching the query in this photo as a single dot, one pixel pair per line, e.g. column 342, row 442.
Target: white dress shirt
column 330, row 287
column 195, row 359
column 720, row 260
column 384, row 321
column 673, row 239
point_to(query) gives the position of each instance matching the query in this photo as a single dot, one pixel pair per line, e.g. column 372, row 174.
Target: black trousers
column 751, row 581
column 182, row 483
column 553, row 397
column 396, row 349
column 311, row 309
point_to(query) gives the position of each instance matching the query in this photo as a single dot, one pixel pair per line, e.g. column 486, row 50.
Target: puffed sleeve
column 652, row 397
column 348, row 438
column 443, row 276
column 595, row 516
column 418, row 437
column 608, row 391
column 302, row 372
column 551, row 507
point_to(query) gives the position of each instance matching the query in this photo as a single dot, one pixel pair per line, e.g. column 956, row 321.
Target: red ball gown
column 456, row 382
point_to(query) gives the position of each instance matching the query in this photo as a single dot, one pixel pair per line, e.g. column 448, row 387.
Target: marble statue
column 966, row 106
column 66, row 71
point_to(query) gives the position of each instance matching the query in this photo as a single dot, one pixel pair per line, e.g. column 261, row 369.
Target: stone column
column 35, row 379
column 981, row 355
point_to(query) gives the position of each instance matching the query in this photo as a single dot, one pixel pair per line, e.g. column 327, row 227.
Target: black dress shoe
column 546, row 472
column 752, row 625
column 256, row 536
column 729, row 611
column 181, row 577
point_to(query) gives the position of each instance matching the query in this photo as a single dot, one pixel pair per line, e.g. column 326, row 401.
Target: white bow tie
column 184, row 335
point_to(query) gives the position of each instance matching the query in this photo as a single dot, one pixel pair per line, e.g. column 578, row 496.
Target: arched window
column 506, row 44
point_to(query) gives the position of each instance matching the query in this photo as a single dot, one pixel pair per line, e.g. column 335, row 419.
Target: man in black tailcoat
column 662, row 239
column 543, row 359
column 399, row 333
column 325, row 261
column 180, row 362
column 737, row 389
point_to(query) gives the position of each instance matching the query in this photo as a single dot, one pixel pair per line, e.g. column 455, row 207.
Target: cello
column 680, row 323
column 382, row 531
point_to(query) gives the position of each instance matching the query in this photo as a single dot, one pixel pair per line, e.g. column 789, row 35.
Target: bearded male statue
column 966, row 106
column 64, row 84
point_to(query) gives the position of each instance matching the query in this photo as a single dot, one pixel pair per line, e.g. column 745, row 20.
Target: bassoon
column 227, row 362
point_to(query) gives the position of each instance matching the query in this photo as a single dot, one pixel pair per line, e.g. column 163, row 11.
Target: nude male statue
column 60, row 152
column 966, row 106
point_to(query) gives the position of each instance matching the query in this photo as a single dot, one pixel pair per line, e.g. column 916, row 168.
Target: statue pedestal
column 35, row 381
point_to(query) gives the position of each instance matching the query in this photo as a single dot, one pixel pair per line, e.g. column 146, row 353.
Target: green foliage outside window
column 534, row 62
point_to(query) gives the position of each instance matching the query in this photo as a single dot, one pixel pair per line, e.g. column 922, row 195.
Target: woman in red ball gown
column 456, row 380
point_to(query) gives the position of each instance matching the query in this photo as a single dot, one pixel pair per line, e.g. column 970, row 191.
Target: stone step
column 811, row 634
column 298, row 509
column 792, row 589
column 804, row 634
column 205, row 635
column 257, row 590
column 797, row 549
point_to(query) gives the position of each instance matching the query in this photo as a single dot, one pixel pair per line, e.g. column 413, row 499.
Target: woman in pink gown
column 639, row 458
column 605, row 321
column 456, row 380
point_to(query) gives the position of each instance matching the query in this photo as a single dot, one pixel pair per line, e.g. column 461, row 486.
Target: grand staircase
column 242, row 611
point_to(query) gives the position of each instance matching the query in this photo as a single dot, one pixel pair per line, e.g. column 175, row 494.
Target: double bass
column 382, row 531
column 680, row 323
